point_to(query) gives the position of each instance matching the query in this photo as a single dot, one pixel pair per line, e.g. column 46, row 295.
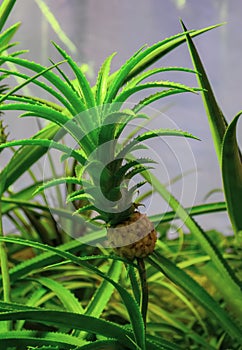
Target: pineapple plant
column 96, row 118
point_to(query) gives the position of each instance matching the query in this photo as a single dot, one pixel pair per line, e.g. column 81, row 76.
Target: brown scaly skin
column 133, row 238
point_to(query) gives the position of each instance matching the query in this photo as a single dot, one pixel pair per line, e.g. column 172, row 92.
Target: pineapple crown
column 96, row 118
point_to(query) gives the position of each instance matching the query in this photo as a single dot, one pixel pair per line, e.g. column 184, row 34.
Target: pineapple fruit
column 134, row 237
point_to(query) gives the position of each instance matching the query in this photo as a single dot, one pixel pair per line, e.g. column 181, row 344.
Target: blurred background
column 90, row 30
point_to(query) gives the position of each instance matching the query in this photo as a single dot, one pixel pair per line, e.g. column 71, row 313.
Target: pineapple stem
column 144, row 288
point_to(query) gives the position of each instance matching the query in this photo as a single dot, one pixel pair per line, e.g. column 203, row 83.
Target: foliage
column 59, row 293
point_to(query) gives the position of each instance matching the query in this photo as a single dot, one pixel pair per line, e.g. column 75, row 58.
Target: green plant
column 88, row 282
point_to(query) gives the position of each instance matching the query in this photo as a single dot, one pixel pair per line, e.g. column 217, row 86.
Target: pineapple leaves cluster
column 96, row 118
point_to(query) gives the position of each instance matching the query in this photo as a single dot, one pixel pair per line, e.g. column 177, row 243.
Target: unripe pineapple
column 134, row 237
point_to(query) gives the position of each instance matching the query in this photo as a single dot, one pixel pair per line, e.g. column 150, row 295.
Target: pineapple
column 96, row 118
column 134, row 237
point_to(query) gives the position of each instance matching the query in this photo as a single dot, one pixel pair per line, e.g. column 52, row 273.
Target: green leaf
column 76, row 321
column 112, row 123
column 5, row 37
column 82, row 322
column 82, row 196
column 56, row 182
column 232, row 174
column 102, row 80
column 50, row 17
column 133, row 82
column 62, row 213
column 35, row 100
column 196, row 210
column 28, row 338
column 5, row 10
column 68, row 299
column 84, row 208
column 41, row 260
column 32, row 301
column 150, row 134
column 216, row 119
column 154, row 97
column 126, row 93
column 104, row 291
column 137, row 170
column 123, row 169
column 86, row 90
column 47, row 144
column 64, row 76
column 5, row 48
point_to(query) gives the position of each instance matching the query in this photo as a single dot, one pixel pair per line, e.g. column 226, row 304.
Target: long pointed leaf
column 126, row 93
column 232, row 175
column 132, row 83
column 216, row 119
column 83, row 82
column 69, row 301
column 27, row 338
column 102, row 80
column 154, row 97
column 151, row 134
column 5, row 10
column 7, row 35
column 47, row 144
column 76, row 321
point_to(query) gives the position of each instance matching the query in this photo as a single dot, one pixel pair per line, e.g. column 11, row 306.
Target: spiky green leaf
column 151, row 134
column 154, row 97
column 86, row 90
column 27, row 338
column 126, row 93
column 56, row 182
column 46, row 144
column 7, row 35
column 68, row 299
column 133, row 82
column 102, row 80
